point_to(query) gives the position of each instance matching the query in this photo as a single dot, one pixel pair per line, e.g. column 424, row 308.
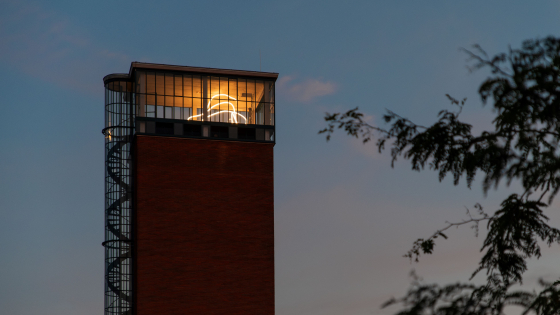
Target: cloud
column 305, row 91
column 46, row 45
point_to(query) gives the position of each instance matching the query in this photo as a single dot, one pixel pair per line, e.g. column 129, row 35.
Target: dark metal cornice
column 156, row 66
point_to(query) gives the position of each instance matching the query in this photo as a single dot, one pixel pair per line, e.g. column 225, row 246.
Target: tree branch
column 426, row 246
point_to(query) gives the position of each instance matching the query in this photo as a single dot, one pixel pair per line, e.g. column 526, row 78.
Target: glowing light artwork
column 232, row 114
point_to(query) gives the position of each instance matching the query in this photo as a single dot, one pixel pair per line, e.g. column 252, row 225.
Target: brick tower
column 189, row 191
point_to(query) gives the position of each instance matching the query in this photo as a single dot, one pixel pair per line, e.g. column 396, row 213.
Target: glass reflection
column 227, row 114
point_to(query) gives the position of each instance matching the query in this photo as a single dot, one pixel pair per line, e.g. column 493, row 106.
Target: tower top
column 184, row 146
column 196, row 102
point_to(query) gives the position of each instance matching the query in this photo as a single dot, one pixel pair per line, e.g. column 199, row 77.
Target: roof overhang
column 211, row 71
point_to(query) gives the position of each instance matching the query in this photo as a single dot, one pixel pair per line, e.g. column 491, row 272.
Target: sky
column 343, row 217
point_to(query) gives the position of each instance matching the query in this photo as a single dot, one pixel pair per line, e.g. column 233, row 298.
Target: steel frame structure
column 118, row 131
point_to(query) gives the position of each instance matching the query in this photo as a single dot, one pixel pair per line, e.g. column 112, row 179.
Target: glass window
column 150, row 111
column 141, row 101
column 253, row 113
column 197, row 86
column 205, row 87
column 151, row 83
column 224, row 88
column 187, row 102
column 232, row 90
column 160, row 81
column 169, row 84
column 140, row 82
column 160, row 100
column 169, row 101
column 178, row 85
column 259, row 91
column 177, row 112
column 178, row 101
column 187, row 86
column 267, row 87
column 196, row 109
column 250, row 90
column 259, row 114
column 234, row 100
column 187, row 112
column 242, row 89
column 215, row 87
column 242, row 113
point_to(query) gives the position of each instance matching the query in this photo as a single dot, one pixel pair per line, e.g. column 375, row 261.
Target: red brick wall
column 204, row 227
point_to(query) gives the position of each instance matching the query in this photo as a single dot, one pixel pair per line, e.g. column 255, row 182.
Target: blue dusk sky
column 343, row 217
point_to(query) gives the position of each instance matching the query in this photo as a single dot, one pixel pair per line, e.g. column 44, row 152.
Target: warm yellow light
column 234, row 113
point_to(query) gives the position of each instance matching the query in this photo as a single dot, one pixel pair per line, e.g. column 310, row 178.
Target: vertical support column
column 205, row 98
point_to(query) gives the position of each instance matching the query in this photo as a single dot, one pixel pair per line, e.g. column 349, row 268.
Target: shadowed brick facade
column 204, row 227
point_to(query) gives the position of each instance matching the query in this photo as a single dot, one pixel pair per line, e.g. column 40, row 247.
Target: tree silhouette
column 524, row 91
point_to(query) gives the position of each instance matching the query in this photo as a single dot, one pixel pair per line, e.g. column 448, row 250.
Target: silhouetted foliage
column 524, row 89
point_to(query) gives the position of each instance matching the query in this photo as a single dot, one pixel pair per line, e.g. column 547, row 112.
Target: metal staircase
column 119, row 122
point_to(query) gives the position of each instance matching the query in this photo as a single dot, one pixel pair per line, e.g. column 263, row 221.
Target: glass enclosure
column 118, row 131
column 194, row 97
